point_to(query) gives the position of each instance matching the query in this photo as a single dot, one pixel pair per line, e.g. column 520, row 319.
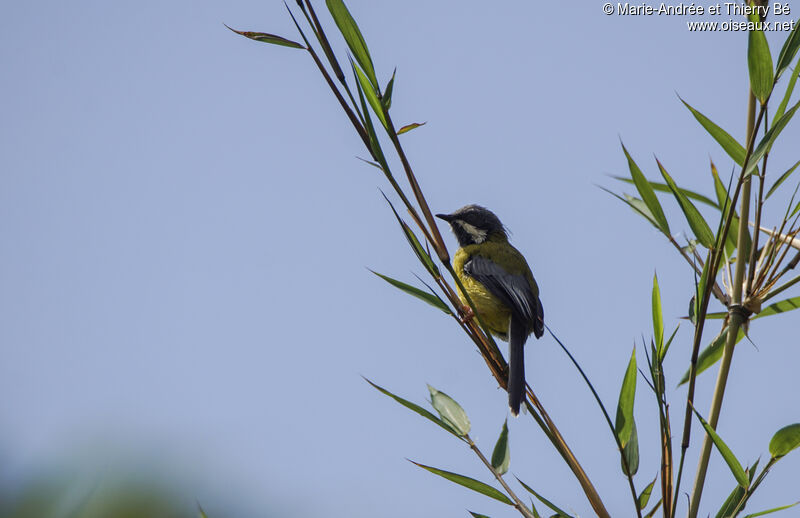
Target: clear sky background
column 185, row 232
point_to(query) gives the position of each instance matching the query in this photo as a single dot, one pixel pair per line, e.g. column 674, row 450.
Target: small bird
column 501, row 286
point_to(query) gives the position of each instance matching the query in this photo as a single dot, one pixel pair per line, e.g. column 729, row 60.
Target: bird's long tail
column 516, row 363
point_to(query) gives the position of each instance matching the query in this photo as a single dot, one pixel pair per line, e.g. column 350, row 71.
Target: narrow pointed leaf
column 386, row 100
column 420, row 252
column 431, row 299
column 545, row 501
column 658, row 319
column 355, row 41
column 409, row 127
column 779, row 307
column 788, row 51
column 769, row 138
column 788, row 94
column 782, row 177
column 636, row 204
column 731, row 146
column 711, row 354
column 624, row 422
column 477, row 515
column 374, row 143
column 652, row 511
column 662, row 187
column 773, row 510
column 725, row 201
column 268, row 38
column 371, row 96
column 785, row 440
column 734, row 504
column 200, row 512
column 644, row 496
column 450, row 411
column 759, row 63
column 647, row 193
column 698, row 225
column 631, row 452
column 501, row 455
column 732, row 462
column 416, row 408
column 470, row 483
column 668, row 343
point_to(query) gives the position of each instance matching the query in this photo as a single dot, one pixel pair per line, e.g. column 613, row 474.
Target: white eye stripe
column 478, row 235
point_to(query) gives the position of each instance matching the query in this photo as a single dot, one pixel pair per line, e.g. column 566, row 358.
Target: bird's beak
column 447, row 217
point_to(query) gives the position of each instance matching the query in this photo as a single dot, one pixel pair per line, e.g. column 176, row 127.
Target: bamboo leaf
column 662, row 187
column 698, row 225
column 647, row 193
column 731, row 460
column 788, row 51
column 409, row 127
column 785, row 440
column 624, row 422
column 450, row 411
column 734, row 503
column 416, row 408
column 782, row 178
column 769, row 138
column 268, row 38
column 658, row 318
column 420, row 252
column 371, row 96
column 652, row 511
column 725, row 201
column 470, row 483
column 501, row 455
column 780, row 307
column 200, row 512
column 644, row 496
column 548, row 503
column 636, row 204
column 788, row 95
column 355, row 40
column 669, row 342
column 759, row 63
column 731, row 146
column 711, row 354
column 431, row 299
column 631, row 452
column 762, row 513
column 477, row 515
column 386, row 100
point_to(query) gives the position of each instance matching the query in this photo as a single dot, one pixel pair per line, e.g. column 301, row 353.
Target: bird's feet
column 466, row 314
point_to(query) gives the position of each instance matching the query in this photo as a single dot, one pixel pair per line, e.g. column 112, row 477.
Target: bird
column 500, row 283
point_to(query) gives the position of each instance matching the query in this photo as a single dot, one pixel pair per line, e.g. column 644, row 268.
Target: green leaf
column 725, row 201
column 545, row 501
column 624, row 422
column 371, row 96
column 477, row 515
column 788, row 51
column 470, row 483
column 769, row 138
column 374, row 143
column 386, row 100
column 431, row 299
column 644, row 496
column 423, row 256
column 788, row 95
column 652, row 511
column 450, row 411
column 355, row 41
column 779, row 307
column 732, row 462
column 785, row 440
column 731, row 146
column 200, row 512
column 662, row 187
column 732, row 506
column 631, row 452
column 647, row 193
column 501, row 455
column 268, row 38
column 762, row 513
column 409, row 127
column 416, row 408
column 698, row 225
column 782, row 178
column 759, row 63
column 669, row 342
column 636, row 204
column 711, row 354
column 658, row 318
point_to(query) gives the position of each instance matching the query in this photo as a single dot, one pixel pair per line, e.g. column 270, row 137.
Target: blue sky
column 186, row 234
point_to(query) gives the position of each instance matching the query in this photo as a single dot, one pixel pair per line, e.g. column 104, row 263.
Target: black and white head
column 473, row 224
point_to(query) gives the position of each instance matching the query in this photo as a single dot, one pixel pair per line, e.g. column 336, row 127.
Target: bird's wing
column 513, row 290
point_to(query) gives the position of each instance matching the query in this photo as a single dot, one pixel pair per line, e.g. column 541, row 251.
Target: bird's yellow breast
column 492, row 311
